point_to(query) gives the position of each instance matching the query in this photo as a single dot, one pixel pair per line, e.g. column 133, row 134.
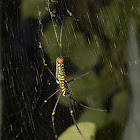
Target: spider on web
column 63, row 87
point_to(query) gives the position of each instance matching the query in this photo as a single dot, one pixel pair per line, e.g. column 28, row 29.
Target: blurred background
column 98, row 36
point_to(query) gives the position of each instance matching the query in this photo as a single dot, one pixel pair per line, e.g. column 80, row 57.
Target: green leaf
column 119, row 106
column 74, row 46
column 96, row 117
column 88, row 130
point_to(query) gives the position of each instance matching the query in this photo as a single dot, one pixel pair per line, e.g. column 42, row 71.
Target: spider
column 63, row 88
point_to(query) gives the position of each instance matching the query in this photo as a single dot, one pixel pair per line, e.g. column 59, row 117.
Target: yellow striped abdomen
column 60, row 72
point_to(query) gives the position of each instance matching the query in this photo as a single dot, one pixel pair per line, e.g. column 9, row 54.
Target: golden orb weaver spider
column 63, row 87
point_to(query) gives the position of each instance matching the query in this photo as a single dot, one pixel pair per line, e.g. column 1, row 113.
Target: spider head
column 60, row 60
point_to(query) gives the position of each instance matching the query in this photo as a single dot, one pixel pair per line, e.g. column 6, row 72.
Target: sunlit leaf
column 88, row 130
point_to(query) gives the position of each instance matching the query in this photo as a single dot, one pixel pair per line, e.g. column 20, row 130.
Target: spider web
column 27, row 82
column 92, row 41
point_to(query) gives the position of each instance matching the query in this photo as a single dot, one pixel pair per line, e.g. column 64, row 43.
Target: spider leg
column 44, row 61
column 49, row 70
column 45, row 101
column 60, row 44
column 86, row 106
column 71, row 113
column 53, row 113
column 77, row 77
